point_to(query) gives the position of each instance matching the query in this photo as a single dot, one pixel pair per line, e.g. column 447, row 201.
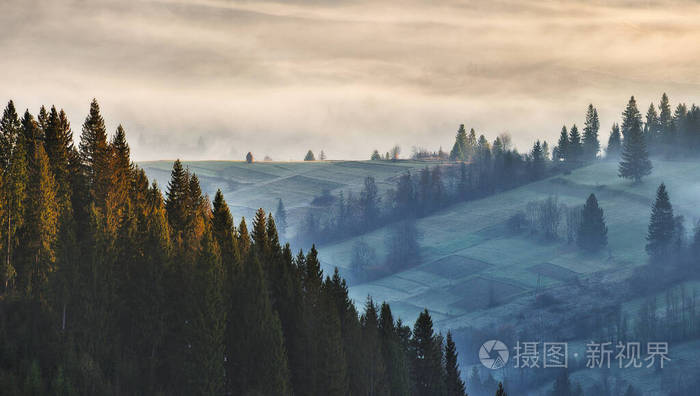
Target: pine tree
column 459, row 150
column 310, row 156
column 562, row 149
column 121, row 168
column 574, row 149
column 591, row 145
column 13, row 164
column 374, row 375
column 661, row 224
column 614, row 142
column 375, row 156
column 453, row 379
column 635, row 162
column 393, row 353
column 592, row 234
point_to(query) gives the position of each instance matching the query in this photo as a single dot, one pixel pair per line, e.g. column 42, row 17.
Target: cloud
column 205, row 79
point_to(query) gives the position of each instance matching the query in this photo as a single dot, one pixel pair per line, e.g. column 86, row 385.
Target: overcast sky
column 213, row 79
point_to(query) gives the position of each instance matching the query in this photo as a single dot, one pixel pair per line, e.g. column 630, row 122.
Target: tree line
column 109, row 286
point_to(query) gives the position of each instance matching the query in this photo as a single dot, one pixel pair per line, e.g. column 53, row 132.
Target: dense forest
column 110, row 287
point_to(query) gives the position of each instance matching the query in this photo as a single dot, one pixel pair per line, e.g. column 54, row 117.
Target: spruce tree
column 13, row 158
column 575, row 147
column 651, row 126
column 427, row 350
column 500, row 391
column 666, row 126
column 614, row 142
column 40, row 224
column 635, row 162
column 121, row 168
column 592, row 234
column 562, row 149
column 661, row 225
column 374, row 376
column 453, row 379
column 591, row 145
column 538, row 161
column 459, row 149
column 281, row 218
column 94, row 153
column 59, row 147
column 176, row 197
column 310, row 156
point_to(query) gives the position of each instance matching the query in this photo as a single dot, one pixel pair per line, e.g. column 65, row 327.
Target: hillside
column 470, row 256
column 248, row 186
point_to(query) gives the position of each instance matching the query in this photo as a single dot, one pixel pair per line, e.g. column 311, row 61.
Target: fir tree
column 562, row 149
column 591, row 145
column 281, row 218
column 375, row 156
column 614, row 142
column 453, row 379
column 40, row 224
column 176, row 198
column 459, row 150
column 574, row 149
column 94, row 155
column 592, row 234
column 635, row 162
column 651, row 126
column 665, row 121
column 59, row 148
column 538, row 161
column 13, row 152
column 661, row 224
column 500, row 391
column 310, row 156
column 427, row 367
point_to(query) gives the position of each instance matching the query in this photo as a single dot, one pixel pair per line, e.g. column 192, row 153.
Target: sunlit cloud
column 208, row 79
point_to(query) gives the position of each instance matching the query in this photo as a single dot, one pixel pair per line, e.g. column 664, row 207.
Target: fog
column 216, row 79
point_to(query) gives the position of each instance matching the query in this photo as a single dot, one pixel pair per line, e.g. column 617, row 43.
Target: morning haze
column 216, row 79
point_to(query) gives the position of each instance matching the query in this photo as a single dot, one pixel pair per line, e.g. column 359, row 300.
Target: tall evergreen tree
column 59, row 149
column 661, row 224
column 310, row 156
column 562, row 149
column 427, row 349
column 453, row 379
column 635, row 162
column 40, row 224
column 538, row 161
column 614, row 142
column 500, row 391
column 13, row 162
column 575, row 147
column 591, row 145
column 666, row 126
column 94, row 152
column 176, row 198
column 592, row 234
column 459, row 149
column 281, row 218
column 651, row 126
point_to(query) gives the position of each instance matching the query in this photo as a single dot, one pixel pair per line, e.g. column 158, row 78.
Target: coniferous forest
column 112, row 286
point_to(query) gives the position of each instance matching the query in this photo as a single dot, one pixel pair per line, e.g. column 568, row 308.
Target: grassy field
column 248, row 187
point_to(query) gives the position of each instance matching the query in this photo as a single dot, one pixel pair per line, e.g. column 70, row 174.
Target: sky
column 214, row 79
